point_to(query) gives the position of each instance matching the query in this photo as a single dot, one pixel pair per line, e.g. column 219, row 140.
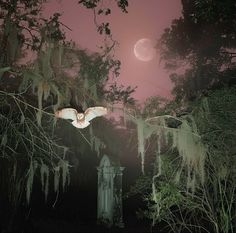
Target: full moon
column 144, row 49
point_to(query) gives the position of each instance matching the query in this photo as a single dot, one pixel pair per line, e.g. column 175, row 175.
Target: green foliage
column 141, row 187
column 165, row 197
column 22, row 27
column 116, row 94
column 219, row 135
column 186, row 38
column 211, row 201
column 201, row 43
column 92, row 4
column 153, row 106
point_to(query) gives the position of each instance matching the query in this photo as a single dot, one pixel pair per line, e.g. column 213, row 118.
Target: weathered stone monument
column 109, row 200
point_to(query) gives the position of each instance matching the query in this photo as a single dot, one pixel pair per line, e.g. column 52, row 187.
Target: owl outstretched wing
column 67, row 113
column 93, row 112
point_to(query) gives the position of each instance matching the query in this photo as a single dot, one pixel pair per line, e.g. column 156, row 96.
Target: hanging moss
column 64, row 167
column 23, row 141
column 143, row 133
column 30, row 180
column 141, row 140
column 56, row 179
column 190, row 147
column 184, row 138
column 95, row 142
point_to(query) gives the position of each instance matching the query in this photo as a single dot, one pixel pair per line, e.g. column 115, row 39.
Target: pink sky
column 145, row 19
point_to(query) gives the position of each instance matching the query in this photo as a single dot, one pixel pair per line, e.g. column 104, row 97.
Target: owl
column 81, row 120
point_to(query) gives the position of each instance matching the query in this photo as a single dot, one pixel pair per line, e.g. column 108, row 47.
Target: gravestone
column 109, row 201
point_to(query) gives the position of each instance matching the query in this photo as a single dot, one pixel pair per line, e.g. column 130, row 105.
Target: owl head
column 80, row 116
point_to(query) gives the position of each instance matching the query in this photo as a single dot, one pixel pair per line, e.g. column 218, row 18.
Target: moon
column 144, row 49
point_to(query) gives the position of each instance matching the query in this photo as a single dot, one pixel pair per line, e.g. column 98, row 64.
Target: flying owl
column 81, row 120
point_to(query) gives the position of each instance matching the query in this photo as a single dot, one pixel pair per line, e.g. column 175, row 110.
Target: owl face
column 80, row 116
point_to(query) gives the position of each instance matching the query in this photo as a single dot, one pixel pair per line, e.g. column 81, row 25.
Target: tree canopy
column 200, row 45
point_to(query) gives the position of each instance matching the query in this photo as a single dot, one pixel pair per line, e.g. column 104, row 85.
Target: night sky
column 145, row 19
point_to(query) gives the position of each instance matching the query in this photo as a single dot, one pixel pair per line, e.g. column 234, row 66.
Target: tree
column 202, row 42
column 192, row 178
column 192, row 137
column 61, row 75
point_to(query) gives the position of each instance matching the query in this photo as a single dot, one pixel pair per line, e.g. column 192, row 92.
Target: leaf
column 100, row 11
column 108, row 11
column 107, row 31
